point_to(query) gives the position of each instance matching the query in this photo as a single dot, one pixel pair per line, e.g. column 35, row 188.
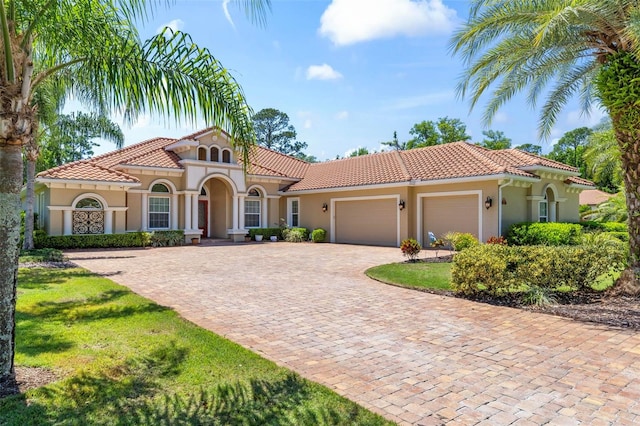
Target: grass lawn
column 123, row 359
column 421, row 275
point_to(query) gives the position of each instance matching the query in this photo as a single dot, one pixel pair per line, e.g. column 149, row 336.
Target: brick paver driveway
column 411, row 356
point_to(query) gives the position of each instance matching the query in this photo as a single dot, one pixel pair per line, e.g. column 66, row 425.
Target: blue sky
column 347, row 72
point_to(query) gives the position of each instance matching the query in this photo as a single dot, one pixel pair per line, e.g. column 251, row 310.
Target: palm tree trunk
column 32, row 157
column 10, row 185
column 629, row 142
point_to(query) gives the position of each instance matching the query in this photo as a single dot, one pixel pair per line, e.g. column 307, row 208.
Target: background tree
column 530, row 148
column 92, row 49
column 72, row 137
column 590, row 48
column 359, row 152
column 570, row 147
column 429, row 133
column 307, row 158
column 395, row 144
column 273, row 131
column 602, row 160
column 495, row 139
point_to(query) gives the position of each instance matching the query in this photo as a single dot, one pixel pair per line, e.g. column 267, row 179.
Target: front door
column 203, row 217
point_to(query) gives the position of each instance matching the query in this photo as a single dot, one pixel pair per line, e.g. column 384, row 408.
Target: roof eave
column 48, row 181
column 538, row 168
column 150, row 168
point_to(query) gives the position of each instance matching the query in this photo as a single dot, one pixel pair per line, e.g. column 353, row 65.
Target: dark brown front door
column 203, row 217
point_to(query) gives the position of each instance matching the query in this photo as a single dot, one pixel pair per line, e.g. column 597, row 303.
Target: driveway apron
column 413, row 357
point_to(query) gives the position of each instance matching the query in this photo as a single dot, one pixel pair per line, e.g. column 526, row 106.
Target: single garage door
column 458, row 213
column 371, row 222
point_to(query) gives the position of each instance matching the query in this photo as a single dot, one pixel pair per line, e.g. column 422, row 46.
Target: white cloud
column 342, row 115
column 501, row 117
column 423, row 100
column 347, row 22
column 175, row 25
column 225, row 8
column 143, row 122
column 307, row 124
column 322, row 72
column 579, row 118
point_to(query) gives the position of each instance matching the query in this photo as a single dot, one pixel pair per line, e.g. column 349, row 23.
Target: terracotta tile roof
column 580, row 181
column 266, row 162
column 518, row 158
column 136, row 153
column 380, row 168
column 593, row 197
column 87, row 170
column 454, row 160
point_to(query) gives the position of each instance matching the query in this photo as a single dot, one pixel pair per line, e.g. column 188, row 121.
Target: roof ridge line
column 403, row 166
column 485, row 159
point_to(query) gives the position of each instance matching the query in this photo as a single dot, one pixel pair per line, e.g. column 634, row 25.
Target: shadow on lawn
column 44, row 278
column 92, row 308
column 131, row 395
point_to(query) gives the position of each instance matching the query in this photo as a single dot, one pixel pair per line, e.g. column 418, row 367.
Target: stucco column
column 194, row 211
column 145, row 212
column 187, row 211
column 551, row 205
column 265, row 213
column 66, row 222
column 241, row 199
column 174, row 211
column 108, row 221
column 234, row 213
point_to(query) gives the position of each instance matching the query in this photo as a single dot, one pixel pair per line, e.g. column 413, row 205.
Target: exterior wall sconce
column 488, row 203
column 401, row 205
column 324, row 207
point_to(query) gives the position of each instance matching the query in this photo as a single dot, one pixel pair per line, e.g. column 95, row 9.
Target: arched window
column 215, row 152
column 252, row 209
column 226, row 156
column 88, row 217
column 159, row 207
column 202, row 153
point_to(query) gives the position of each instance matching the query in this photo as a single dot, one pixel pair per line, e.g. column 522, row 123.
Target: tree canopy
column 273, row 131
column 429, row 133
column 495, row 139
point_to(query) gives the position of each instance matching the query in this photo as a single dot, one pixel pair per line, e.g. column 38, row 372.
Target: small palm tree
column 91, row 49
column 561, row 48
column 602, row 158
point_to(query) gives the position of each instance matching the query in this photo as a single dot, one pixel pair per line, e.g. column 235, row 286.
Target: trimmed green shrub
column 548, row 234
column 411, row 249
column 499, row 269
column 265, row 232
column 131, row 239
column 295, row 235
column 318, row 235
column 41, row 255
column 460, row 240
column 167, row 238
column 604, row 226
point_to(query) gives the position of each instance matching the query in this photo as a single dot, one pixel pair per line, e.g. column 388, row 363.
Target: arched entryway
column 215, row 208
column 548, row 207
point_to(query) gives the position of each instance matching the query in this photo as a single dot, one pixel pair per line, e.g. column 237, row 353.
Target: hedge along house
column 196, row 184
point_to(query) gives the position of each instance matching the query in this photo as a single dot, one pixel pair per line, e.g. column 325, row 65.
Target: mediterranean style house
column 197, row 184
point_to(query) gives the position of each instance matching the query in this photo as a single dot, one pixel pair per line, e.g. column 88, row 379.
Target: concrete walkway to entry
column 415, row 358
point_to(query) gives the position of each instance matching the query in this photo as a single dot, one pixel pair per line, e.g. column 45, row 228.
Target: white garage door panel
column 450, row 213
column 371, row 222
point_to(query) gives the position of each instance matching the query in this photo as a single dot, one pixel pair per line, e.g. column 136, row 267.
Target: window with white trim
column 252, row 207
column 226, row 156
column 214, row 154
column 159, row 207
column 202, row 153
column 294, row 212
column 543, row 210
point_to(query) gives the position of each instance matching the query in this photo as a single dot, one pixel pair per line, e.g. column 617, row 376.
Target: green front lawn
column 123, row 359
column 421, row 275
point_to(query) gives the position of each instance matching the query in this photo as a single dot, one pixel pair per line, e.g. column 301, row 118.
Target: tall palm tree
column 560, row 49
column 91, row 48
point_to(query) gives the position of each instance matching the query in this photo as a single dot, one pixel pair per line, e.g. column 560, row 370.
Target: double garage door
column 371, row 222
column 442, row 214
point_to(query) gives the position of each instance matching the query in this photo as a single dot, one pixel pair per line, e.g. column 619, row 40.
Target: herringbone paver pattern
column 414, row 357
